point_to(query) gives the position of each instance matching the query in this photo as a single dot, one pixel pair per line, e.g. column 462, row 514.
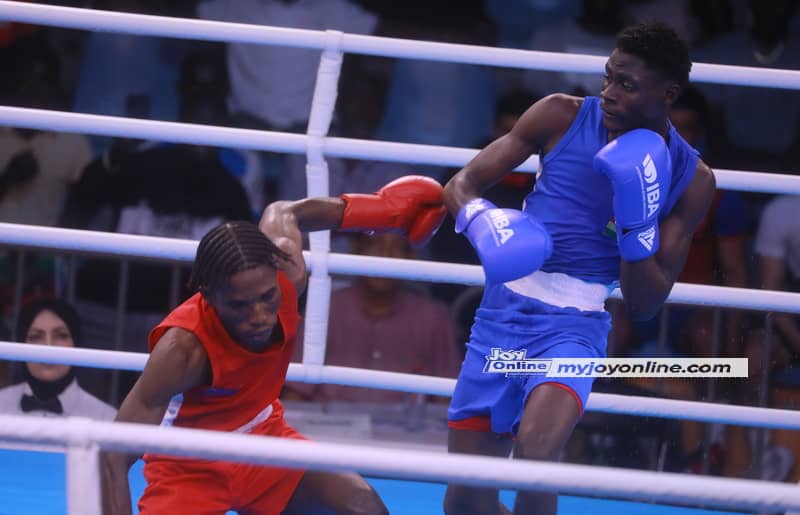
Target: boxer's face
column 633, row 95
column 247, row 305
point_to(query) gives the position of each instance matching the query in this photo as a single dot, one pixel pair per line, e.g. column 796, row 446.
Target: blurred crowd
column 178, row 190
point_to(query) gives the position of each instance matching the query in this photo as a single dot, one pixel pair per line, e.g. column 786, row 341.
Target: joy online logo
column 509, row 362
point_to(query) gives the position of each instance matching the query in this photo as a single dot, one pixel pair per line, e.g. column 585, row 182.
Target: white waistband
column 260, row 417
column 562, row 290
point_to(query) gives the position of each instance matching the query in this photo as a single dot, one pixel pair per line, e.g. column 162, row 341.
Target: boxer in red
column 219, row 360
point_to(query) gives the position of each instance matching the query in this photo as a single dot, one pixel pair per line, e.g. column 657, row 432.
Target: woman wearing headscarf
column 50, row 389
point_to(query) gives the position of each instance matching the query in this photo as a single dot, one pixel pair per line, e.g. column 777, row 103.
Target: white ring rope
column 600, row 402
column 183, row 28
column 80, row 436
column 175, row 132
column 90, row 19
column 739, row 494
column 177, row 250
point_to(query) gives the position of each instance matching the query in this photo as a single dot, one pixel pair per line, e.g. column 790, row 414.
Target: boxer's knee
column 363, row 501
column 538, row 445
column 466, row 500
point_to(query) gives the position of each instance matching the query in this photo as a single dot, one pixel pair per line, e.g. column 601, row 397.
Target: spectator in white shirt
column 273, row 85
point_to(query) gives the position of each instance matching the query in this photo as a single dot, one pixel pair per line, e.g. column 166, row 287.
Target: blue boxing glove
column 509, row 243
column 640, row 170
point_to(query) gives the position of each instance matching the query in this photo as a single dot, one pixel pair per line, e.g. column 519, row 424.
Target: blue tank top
column 574, row 202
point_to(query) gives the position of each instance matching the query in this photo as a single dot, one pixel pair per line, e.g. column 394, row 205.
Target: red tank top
column 244, row 384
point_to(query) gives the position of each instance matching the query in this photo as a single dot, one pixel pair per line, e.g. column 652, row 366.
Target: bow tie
column 30, row 403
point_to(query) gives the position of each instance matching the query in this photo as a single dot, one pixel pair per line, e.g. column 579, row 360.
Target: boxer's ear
column 672, row 92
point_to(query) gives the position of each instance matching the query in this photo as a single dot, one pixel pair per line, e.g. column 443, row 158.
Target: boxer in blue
column 617, row 199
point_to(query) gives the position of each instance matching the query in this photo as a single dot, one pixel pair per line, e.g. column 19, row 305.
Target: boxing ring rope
column 601, row 402
column 149, row 25
column 404, row 464
column 82, row 437
column 175, row 132
column 177, row 250
column 315, row 143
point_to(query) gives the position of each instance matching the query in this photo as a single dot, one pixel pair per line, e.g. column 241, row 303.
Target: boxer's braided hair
column 231, row 248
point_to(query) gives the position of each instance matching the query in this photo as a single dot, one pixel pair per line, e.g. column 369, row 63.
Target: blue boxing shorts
column 546, row 315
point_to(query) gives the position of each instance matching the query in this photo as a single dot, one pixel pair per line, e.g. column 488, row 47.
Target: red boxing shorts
column 201, row 487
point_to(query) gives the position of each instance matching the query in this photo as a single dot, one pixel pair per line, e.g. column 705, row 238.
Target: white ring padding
column 82, row 469
column 323, row 101
column 148, row 25
column 564, row 478
column 395, row 381
column 176, row 250
column 318, row 293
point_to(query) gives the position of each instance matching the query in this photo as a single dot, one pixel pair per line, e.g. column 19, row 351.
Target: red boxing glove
column 411, row 205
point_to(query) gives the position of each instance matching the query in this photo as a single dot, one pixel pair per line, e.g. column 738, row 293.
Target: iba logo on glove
column 652, row 190
column 500, row 222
